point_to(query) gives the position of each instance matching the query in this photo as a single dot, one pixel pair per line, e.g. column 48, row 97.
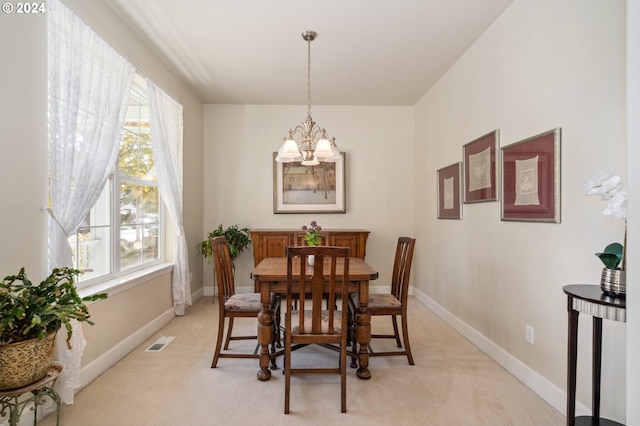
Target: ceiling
column 367, row 52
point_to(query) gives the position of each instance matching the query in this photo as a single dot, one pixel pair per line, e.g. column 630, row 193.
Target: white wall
column 542, row 65
column 23, row 126
column 240, row 140
column 633, row 242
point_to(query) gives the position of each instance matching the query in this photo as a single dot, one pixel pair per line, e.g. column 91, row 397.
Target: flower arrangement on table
column 610, row 188
column 312, row 233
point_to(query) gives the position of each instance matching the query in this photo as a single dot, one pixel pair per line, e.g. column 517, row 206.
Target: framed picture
column 531, row 179
column 309, row 189
column 449, row 205
column 480, row 169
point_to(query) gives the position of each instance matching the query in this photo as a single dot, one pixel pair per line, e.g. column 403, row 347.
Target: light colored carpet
column 452, row 383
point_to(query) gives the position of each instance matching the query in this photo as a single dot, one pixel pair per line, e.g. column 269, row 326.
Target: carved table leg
column 265, row 331
column 275, row 341
column 363, row 319
column 353, row 338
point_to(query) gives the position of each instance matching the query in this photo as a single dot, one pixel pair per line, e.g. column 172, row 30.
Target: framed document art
column 480, row 169
column 449, row 205
column 531, row 179
column 309, row 189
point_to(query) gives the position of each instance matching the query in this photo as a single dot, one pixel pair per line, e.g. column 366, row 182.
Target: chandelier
column 306, row 143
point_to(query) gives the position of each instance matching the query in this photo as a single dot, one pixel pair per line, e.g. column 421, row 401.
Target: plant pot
column 613, row 282
column 23, row 363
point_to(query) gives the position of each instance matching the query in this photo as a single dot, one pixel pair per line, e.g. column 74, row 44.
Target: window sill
column 125, row 282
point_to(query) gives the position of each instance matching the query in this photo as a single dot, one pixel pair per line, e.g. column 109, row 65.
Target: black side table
column 11, row 403
column 589, row 299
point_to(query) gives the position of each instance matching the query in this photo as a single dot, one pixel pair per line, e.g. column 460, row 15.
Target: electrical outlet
column 530, row 334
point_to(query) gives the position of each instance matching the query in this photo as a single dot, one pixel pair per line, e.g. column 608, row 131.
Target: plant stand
column 11, row 404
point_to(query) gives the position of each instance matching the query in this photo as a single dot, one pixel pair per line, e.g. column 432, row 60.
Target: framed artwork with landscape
column 480, row 169
column 449, row 205
column 531, row 179
column 309, row 189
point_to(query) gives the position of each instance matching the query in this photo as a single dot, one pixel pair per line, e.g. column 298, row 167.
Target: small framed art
column 531, row 179
column 309, row 189
column 480, row 169
column 449, row 183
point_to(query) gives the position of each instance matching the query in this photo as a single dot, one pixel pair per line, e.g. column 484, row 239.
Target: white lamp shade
column 323, row 149
column 290, row 149
column 281, row 159
column 335, row 157
column 313, row 162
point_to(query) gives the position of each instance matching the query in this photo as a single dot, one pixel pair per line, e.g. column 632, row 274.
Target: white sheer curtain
column 89, row 86
column 165, row 115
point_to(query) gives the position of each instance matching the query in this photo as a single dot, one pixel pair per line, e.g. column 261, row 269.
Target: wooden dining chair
column 311, row 324
column 393, row 304
column 230, row 304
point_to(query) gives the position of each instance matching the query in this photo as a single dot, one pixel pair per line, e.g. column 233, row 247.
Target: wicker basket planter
column 26, row 362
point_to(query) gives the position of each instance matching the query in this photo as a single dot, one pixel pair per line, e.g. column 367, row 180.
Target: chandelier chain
column 309, row 76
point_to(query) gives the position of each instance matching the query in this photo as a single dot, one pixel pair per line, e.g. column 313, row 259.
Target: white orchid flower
column 610, row 188
column 617, row 205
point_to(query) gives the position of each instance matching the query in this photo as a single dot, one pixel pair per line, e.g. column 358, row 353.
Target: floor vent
column 159, row 344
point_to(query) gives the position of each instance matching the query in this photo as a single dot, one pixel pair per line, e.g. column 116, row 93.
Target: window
column 123, row 231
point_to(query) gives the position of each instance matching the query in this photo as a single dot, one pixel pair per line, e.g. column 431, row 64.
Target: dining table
column 270, row 276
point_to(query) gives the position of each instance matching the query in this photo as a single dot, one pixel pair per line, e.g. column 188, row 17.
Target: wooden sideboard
column 273, row 242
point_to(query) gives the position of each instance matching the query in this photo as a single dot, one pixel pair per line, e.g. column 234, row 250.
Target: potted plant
column 238, row 240
column 312, row 237
column 611, row 189
column 30, row 317
column 312, row 234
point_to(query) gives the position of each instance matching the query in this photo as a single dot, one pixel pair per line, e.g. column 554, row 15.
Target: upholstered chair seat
column 243, row 302
column 379, row 301
column 308, row 317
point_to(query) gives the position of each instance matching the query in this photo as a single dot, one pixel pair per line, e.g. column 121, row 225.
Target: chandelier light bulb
column 313, row 162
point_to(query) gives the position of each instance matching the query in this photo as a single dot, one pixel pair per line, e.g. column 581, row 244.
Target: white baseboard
column 105, row 361
column 552, row 394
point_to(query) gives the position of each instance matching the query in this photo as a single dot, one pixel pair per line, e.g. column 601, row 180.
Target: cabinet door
column 345, row 240
column 274, row 245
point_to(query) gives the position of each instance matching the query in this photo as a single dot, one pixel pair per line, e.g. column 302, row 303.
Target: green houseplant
column 238, row 240
column 312, row 233
column 312, row 237
column 30, row 316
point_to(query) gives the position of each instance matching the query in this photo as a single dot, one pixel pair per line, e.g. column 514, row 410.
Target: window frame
column 117, row 276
